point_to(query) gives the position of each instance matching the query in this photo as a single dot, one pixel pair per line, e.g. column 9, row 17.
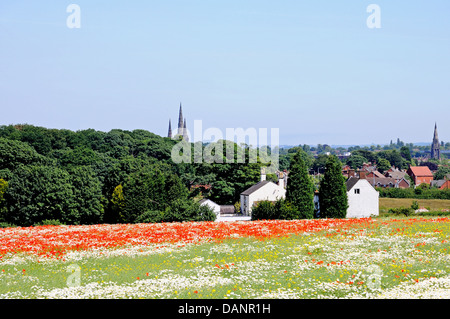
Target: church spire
column 435, row 146
column 169, row 134
column 180, row 121
column 185, row 135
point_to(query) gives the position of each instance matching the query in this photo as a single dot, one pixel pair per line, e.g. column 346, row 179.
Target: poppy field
column 320, row 258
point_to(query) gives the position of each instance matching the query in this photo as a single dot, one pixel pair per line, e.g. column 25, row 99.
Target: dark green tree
column 333, row 192
column 153, row 188
column 319, row 163
column 383, row 165
column 442, row 172
column 87, row 199
column 356, row 161
column 300, row 189
column 37, row 193
column 13, row 153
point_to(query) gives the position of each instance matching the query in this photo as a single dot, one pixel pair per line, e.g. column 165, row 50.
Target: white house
column 215, row 207
column 264, row 190
column 363, row 199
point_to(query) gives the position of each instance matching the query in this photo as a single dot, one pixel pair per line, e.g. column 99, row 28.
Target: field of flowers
column 324, row 258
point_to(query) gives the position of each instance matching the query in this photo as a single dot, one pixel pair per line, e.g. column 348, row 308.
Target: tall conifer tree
column 300, row 189
column 333, row 199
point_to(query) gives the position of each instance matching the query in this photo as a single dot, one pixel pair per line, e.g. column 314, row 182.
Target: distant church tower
column 435, row 147
column 182, row 130
column 180, row 122
column 169, row 134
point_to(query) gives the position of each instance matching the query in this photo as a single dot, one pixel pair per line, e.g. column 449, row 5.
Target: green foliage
column 14, row 153
column 288, row 211
column 36, row 193
column 356, row 161
column 415, row 205
column 6, row 225
column 73, row 176
column 87, row 197
column 383, row 165
column 264, row 210
column 333, row 192
column 418, row 193
column 237, row 207
column 320, row 163
column 300, row 189
column 401, row 211
column 155, row 194
column 3, row 188
column 442, row 172
column 49, row 222
column 178, row 211
column 394, row 158
column 405, row 152
column 281, row 209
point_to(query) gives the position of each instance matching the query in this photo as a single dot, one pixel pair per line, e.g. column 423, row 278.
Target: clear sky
column 313, row 69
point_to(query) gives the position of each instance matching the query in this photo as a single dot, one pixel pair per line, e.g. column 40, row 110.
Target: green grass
column 435, row 205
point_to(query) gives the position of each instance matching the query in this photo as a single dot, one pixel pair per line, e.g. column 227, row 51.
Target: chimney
column 351, row 172
column 263, row 174
column 281, row 179
column 362, row 174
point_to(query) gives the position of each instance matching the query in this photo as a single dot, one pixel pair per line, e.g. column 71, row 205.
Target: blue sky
column 313, row 69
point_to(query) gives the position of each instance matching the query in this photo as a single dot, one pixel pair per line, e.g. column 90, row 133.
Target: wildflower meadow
column 320, row 258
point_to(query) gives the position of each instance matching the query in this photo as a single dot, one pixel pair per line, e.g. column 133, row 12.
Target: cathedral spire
column 169, row 134
column 185, row 135
column 180, row 121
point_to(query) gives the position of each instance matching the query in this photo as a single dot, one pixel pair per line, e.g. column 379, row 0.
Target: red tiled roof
column 421, row 171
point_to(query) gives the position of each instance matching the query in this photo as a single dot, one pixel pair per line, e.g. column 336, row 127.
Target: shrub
column 401, row 211
column 6, row 225
column 415, row 205
column 286, row 210
column 49, row 222
column 264, row 210
column 178, row 211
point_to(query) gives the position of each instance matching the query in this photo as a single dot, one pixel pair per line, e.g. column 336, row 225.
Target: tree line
column 91, row 177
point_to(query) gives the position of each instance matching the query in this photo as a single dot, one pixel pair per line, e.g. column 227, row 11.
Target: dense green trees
column 333, row 192
column 88, row 177
column 356, row 161
column 442, row 172
column 383, row 165
column 300, row 189
column 37, row 193
column 97, row 174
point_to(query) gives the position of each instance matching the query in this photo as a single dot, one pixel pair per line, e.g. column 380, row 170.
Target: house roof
column 255, row 187
column 438, row 183
column 421, row 171
column 396, row 174
column 351, row 182
column 385, row 181
column 377, row 174
column 227, row 209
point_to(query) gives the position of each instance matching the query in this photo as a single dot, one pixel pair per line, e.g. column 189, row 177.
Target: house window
column 357, row 191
